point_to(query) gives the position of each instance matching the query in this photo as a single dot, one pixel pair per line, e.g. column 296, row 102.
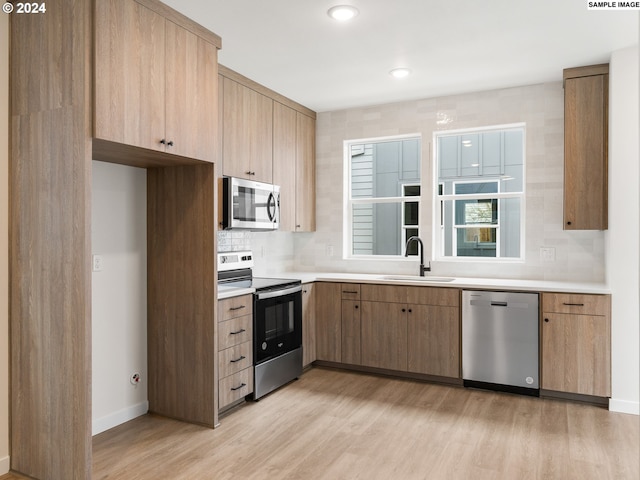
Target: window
column 382, row 196
column 480, row 201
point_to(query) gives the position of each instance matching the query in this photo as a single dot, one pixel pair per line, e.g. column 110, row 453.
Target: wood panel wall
column 50, row 178
column 181, row 328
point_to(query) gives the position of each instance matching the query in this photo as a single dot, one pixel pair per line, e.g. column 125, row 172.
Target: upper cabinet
column 268, row 138
column 586, row 98
column 247, row 133
column 156, row 79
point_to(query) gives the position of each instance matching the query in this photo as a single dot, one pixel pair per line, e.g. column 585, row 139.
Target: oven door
column 250, row 205
column 277, row 322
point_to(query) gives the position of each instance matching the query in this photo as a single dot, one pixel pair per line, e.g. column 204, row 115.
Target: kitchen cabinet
column 328, row 322
column 247, row 132
column 294, row 168
column 155, row 82
column 586, row 98
column 235, row 349
column 384, row 335
column 308, row 324
column 433, row 331
column 576, row 344
column 351, row 326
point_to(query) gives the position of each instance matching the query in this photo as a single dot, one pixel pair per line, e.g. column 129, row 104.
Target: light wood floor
column 340, row 425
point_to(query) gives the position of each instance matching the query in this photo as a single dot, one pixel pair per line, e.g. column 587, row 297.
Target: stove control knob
column 264, row 345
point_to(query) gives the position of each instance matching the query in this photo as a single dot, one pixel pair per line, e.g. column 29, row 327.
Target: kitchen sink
column 415, row 278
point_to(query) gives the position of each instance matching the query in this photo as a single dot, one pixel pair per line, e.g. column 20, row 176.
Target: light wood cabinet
column 328, row 322
column 308, row 324
column 586, row 98
column 305, row 173
column 384, row 335
column 576, row 344
column 247, row 132
column 351, row 324
column 155, row 82
column 235, row 352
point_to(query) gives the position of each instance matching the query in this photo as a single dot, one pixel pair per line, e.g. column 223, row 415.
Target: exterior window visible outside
column 382, row 196
column 480, row 202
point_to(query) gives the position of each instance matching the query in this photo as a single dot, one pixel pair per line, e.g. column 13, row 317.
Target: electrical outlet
column 547, row 254
column 135, row 378
column 96, row 261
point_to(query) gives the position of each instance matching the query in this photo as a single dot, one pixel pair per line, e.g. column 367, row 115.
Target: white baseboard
column 119, row 417
column 5, row 465
column 624, row 406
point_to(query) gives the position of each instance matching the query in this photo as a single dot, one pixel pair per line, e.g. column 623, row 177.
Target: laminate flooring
column 333, row 424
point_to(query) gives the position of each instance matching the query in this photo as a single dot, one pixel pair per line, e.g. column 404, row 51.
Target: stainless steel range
column 277, row 321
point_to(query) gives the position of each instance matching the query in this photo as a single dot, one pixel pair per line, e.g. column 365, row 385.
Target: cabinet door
column 328, row 322
column 284, row 163
column 434, row 340
column 305, row 174
column 308, row 324
column 585, row 154
column 384, row 335
column 351, row 332
column 129, row 74
column 247, row 133
column 576, row 354
column 191, row 94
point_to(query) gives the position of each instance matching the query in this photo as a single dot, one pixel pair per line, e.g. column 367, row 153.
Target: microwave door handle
column 271, row 201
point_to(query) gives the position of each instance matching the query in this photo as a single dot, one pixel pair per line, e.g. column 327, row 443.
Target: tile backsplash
column 578, row 255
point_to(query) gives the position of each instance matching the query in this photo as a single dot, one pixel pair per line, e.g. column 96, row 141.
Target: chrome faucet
column 406, row 254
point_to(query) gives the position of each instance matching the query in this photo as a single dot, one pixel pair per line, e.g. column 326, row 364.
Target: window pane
column 411, row 213
column 377, row 229
column 510, row 227
column 479, row 187
column 411, row 190
column 413, row 248
column 473, row 212
column 476, row 242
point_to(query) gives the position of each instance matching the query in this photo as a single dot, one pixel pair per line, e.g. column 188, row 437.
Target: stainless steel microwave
column 249, row 205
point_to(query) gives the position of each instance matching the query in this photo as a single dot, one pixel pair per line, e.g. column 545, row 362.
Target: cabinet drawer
column 235, row 331
column 235, row 387
column 235, row 307
column 576, row 304
column 234, row 359
column 384, row 293
column 446, row 297
column 350, row 291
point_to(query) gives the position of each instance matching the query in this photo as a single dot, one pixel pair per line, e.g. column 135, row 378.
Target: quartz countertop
column 520, row 285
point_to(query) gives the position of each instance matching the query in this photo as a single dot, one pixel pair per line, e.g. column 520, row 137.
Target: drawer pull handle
column 238, row 388
column 546, row 320
column 242, row 357
column 349, row 291
column 242, row 330
column 573, row 304
column 237, row 308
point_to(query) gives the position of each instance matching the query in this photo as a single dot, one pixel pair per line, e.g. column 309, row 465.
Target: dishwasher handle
column 498, row 304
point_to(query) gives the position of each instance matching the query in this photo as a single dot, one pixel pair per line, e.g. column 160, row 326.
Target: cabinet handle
column 573, row 304
column 237, row 308
column 163, row 141
column 546, row 320
column 249, row 172
column 304, row 291
column 170, row 143
column 242, row 330
column 238, row 388
column 404, row 309
column 568, row 223
column 297, row 226
column 349, row 291
column 242, row 357
column 356, row 306
column 410, row 310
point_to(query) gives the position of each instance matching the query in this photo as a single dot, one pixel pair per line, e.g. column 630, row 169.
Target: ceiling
column 456, row 46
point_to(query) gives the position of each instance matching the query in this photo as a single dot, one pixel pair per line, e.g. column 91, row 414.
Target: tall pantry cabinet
column 54, row 125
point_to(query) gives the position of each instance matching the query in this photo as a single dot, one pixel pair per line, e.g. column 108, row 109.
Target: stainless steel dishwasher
column 500, row 341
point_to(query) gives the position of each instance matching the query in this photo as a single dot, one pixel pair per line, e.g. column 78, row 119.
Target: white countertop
column 458, row 282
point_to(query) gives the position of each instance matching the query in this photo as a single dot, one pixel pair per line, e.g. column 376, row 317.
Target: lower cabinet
column 235, row 349
column 328, row 322
column 576, row 344
column 384, row 335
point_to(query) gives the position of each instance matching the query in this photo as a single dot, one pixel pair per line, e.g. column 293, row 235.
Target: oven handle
column 279, row 293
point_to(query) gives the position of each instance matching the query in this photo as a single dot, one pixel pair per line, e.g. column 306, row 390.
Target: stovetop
column 234, row 271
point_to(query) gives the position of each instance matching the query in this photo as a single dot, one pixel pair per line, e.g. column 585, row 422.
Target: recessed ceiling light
column 342, row 13
column 400, row 72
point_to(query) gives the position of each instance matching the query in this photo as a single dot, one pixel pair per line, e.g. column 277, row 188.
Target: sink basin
column 415, row 278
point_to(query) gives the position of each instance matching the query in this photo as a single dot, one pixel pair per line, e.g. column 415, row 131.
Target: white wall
column 119, row 294
column 4, row 244
column 623, row 265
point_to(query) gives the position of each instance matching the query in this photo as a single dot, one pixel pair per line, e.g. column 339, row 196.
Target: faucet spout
column 406, row 254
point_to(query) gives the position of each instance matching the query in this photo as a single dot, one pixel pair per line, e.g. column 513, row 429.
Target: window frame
column 348, row 202
column 438, row 211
